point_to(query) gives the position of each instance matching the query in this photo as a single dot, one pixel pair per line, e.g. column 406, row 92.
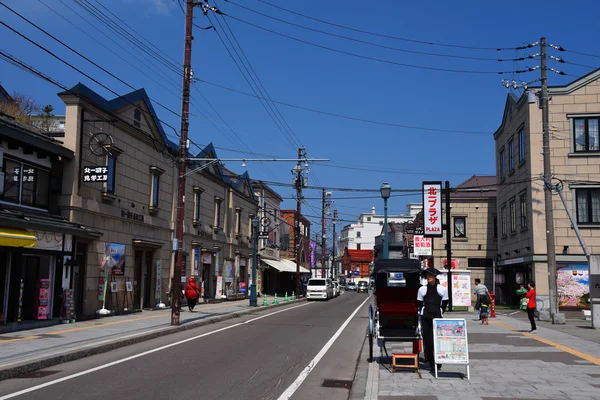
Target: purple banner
column 313, row 246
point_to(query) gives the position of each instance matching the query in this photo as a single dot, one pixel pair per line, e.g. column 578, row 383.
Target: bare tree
column 21, row 108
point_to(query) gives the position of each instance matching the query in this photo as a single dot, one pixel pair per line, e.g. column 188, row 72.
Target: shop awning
column 284, row 265
column 12, row 219
column 16, row 238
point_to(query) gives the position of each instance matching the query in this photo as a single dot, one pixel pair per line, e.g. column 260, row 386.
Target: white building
column 361, row 236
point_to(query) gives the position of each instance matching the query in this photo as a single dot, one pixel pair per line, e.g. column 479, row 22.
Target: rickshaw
column 395, row 317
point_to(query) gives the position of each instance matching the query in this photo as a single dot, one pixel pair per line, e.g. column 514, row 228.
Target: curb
column 35, row 365
column 359, row 387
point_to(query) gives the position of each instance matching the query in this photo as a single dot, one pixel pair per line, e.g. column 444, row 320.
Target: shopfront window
column 25, row 184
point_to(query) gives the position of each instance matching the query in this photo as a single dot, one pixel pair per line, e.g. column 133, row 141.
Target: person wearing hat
column 432, row 300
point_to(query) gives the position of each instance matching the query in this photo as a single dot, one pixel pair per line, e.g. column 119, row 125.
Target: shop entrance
column 142, row 279
column 25, row 272
column 79, row 278
column 148, row 294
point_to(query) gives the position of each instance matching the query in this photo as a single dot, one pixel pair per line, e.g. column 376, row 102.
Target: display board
column 450, row 342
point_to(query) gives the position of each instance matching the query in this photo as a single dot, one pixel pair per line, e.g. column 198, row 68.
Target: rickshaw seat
column 397, row 302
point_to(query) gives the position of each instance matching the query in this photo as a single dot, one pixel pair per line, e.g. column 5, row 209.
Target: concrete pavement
column 254, row 356
column 506, row 362
column 27, row 351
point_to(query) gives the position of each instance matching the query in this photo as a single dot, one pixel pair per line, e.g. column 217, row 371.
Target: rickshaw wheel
column 371, row 329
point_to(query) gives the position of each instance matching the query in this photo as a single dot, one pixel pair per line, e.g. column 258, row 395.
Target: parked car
column 318, row 288
column 336, row 288
column 362, row 286
column 350, row 286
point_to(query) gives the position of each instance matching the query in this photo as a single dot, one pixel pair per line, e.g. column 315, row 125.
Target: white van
column 318, row 288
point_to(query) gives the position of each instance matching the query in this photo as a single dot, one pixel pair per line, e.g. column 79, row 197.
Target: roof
column 11, row 130
column 477, row 186
column 4, row 96
column 118, row 103
column 361, row 255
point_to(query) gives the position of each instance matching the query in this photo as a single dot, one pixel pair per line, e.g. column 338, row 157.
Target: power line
column 380, row 60
column 386, row 36
column 369, row 121
column 373, row 43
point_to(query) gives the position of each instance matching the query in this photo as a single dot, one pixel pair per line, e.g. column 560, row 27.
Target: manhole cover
column 337, row 383
column 38, row 374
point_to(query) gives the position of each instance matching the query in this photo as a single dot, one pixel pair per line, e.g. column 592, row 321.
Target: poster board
column 219, row 291
column 450, row 342
column 461, row 286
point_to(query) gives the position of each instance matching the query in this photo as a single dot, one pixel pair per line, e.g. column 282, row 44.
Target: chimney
column 373, row 210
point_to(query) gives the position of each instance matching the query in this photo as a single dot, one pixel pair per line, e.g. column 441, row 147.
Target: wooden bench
column 398, row 358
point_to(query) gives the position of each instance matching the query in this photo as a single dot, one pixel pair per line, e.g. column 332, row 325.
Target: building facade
column 287, row 244
column 357, row 264
column 37, row 244
column 574, row 114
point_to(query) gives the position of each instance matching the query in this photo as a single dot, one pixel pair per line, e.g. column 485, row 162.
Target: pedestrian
column 432, row 300
column 531, row 305
column 521, row 292
column 484, row 309
column 480, row 290
column 192, row 293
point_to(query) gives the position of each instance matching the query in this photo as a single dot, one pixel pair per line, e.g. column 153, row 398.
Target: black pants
column 427, row 330
column 530, row 313
column 192, row 303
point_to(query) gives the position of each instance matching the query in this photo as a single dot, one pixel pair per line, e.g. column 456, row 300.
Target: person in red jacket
column 531, row 305
column 192, row 293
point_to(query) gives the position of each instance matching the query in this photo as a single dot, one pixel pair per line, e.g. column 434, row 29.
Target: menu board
column 450, row 343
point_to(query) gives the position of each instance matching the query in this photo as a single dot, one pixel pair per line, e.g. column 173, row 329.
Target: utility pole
column 334, row 271
column 448, row 245
column 550, row 245
column 299, row 185
column 323, row 236
column 183, row 145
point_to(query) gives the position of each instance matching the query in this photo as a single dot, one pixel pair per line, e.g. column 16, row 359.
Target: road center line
column 145, row 353
column 313, row 363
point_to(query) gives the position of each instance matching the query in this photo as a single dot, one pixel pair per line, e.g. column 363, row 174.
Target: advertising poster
column 313, row 246
column 116, row 258
column 573, row 285
column 217, row 263
column 158, row 266
column 461, row 286
column 219, row 291
column 450, row 344
column 196, row 261
column 228, row 271
column 206, row 258
column 103, row 278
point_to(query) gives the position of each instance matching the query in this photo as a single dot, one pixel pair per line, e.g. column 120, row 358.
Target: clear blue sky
column 321, row 79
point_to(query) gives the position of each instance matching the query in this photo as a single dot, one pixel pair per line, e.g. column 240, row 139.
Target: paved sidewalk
column 27, row 351
column 506, row 362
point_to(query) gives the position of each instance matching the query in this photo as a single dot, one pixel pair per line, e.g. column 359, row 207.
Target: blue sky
column 313, row 77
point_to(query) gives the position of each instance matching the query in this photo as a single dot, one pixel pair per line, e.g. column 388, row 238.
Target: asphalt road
column 259, row 356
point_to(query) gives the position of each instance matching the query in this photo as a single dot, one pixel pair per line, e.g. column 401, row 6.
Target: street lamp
column 253, row 302
column 385, row 190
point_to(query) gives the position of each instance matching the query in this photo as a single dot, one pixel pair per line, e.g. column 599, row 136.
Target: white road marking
column 313, row 363
column 89, row 371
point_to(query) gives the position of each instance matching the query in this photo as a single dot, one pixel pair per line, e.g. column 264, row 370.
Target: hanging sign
column 95, row 174
column 422, row 245
column 432, row 205
column 158, row 266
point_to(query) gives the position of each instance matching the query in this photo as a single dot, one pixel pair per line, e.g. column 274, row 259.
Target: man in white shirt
column 432, row 300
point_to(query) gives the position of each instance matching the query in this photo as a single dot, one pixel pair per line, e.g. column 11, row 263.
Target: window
column 523, row 203
column 588, row 206
column 522, row 146
column 502, row 172
column 586, row 134
column 155, row 190
column 217, row 221
column 357, row 234
column 197, row 198
column 460, row 227
column 238, row 221
column 357, row 246
column 250, row 226
column 111, row 164
column 503, row 220
column 368, row 219
column 137, row 117
column 25, row 184
column 513, row 215
column 511, row 156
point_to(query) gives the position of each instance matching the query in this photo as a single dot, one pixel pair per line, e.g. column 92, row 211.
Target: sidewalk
column 27, row 351
column 506, row 362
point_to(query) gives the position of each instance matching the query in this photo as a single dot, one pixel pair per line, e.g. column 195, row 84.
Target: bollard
column 285, row 299
column 275, row 299
column 265, row 300
column 492, row 305
column 293, row 296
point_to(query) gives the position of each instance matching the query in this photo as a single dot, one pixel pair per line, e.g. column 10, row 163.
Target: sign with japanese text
column 95, row 174
column 432, row 206
column 158, row 266
column 450, row 342
column 422, row 245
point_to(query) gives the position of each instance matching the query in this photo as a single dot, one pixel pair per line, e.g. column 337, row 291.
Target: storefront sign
column 27, row 176
column 513, row 261
column 48, row 240
column 131, row 215
column 115, row 254
column 432, row 205
column 313, row 246
column 158, row 266
column 206, row 258
column 422, row 245
column 196, row 261
column 217, row 257
column 95, row 174
column 455, row 263
column 450, row 343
